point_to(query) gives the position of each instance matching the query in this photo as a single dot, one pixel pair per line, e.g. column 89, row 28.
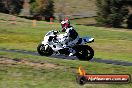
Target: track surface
column 114, row 62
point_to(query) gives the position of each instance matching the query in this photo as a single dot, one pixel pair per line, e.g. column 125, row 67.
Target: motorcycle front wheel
column 84, row 52
column 41, row 50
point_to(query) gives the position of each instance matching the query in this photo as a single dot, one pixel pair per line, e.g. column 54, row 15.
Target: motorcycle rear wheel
column 41, row 50
column 84, row 52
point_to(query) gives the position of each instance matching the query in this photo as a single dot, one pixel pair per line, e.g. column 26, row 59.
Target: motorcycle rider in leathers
column 71, row 36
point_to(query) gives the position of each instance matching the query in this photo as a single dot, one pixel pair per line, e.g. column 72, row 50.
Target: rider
column 71, row 36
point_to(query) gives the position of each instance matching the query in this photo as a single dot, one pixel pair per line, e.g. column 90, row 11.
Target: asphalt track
column 114, row 62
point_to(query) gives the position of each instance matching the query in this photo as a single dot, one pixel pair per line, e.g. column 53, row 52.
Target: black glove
column 56, row 32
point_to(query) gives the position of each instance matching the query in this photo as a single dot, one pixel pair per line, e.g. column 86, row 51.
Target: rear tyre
column 41, row 50
column 84, row 52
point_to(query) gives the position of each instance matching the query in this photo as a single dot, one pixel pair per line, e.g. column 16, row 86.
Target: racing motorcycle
column 51, row 45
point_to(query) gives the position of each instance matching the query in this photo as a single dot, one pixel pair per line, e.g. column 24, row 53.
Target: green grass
column 84, row 21
column 70, row 7
column 83, row 8
column 19, row 76
column 25, row 76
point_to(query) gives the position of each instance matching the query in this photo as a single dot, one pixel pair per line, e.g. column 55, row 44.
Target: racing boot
column 72, row 52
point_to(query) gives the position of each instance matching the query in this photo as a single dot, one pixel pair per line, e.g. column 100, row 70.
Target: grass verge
column 27, row 76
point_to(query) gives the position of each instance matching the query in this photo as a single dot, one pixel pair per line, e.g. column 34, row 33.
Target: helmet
column 65, row 24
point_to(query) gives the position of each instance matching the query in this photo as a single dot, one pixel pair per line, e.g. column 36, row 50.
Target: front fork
column 45, row 45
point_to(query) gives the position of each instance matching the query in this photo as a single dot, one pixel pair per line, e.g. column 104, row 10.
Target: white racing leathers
column 70, row 39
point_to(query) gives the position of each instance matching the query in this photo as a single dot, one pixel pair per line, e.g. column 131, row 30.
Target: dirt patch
column 40, row 64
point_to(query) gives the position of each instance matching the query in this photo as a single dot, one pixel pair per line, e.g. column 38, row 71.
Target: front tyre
column 84, row 52
column 41, row 50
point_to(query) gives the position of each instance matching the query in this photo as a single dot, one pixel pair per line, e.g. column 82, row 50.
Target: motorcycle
column 52, row 45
